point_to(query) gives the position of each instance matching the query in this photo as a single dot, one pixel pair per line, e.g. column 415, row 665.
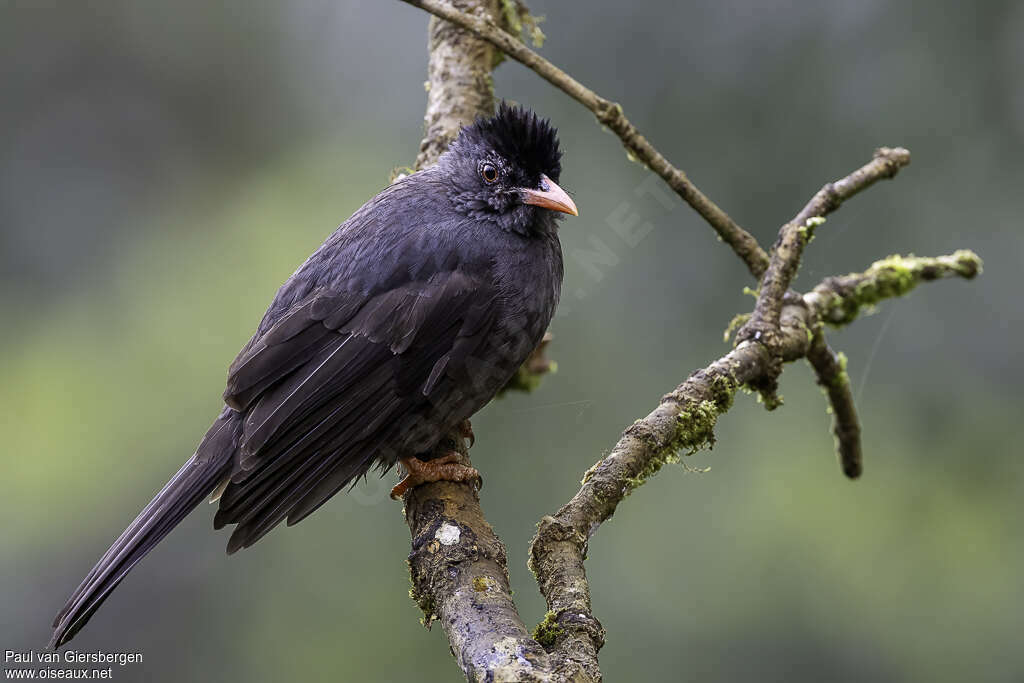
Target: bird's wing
column 334, row 381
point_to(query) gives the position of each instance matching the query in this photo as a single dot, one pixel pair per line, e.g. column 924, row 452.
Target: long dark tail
column 196, row 480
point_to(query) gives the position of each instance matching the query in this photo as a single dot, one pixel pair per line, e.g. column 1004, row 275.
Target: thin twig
column 840, row 299
column 830, row 371
column 610, row 114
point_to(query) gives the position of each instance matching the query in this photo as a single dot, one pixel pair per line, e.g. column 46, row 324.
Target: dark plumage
column 406, row 321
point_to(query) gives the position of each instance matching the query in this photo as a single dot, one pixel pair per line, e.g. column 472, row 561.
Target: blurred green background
column 165, row 166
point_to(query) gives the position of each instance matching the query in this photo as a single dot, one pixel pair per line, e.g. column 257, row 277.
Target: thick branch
column 684, row 421
column 459, row 572
column 460, row 577
column 610, row 114
column 459, row 86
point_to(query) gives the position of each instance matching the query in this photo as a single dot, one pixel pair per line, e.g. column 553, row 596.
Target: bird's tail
column 197, row 478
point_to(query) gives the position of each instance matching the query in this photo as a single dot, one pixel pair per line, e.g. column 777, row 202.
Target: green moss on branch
column 841, row 299
column 548, row 630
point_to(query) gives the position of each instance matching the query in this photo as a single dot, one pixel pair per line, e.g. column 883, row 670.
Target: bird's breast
column 531, row 282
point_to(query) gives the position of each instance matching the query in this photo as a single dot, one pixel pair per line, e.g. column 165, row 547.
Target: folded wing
column 344, row 381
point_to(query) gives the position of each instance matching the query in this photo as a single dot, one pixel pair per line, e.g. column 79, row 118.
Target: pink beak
column 550, row 196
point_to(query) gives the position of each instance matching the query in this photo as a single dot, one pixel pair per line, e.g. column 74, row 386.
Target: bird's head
column 505, row 169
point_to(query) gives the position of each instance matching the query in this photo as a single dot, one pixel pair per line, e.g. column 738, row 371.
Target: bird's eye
column 489, row 173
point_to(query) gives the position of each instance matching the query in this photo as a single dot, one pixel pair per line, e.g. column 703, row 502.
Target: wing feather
column 342, row 381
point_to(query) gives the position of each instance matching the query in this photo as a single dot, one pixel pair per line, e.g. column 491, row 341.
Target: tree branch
column 684, row 420
column 840, row 299
column 460, row 576
column 830, row 371
column 459, row 86
column 611, row 115
column 796, row 234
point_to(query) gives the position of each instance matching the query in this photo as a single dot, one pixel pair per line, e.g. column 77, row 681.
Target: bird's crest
column 519, row 135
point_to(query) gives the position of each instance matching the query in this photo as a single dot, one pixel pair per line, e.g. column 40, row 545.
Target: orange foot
column 445, row 468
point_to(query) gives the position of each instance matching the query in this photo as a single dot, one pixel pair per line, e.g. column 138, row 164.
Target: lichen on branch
column 685, row 420
column 840, row 299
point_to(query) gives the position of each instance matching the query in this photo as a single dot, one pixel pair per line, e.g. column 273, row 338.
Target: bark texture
column 459, row 85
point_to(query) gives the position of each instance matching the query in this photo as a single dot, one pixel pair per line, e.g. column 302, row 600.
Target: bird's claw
column 445, row 468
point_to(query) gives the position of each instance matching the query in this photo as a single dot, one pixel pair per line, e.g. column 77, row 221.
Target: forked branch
column 684, row 422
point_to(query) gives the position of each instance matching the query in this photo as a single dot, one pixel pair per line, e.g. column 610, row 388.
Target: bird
column 407, row 320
